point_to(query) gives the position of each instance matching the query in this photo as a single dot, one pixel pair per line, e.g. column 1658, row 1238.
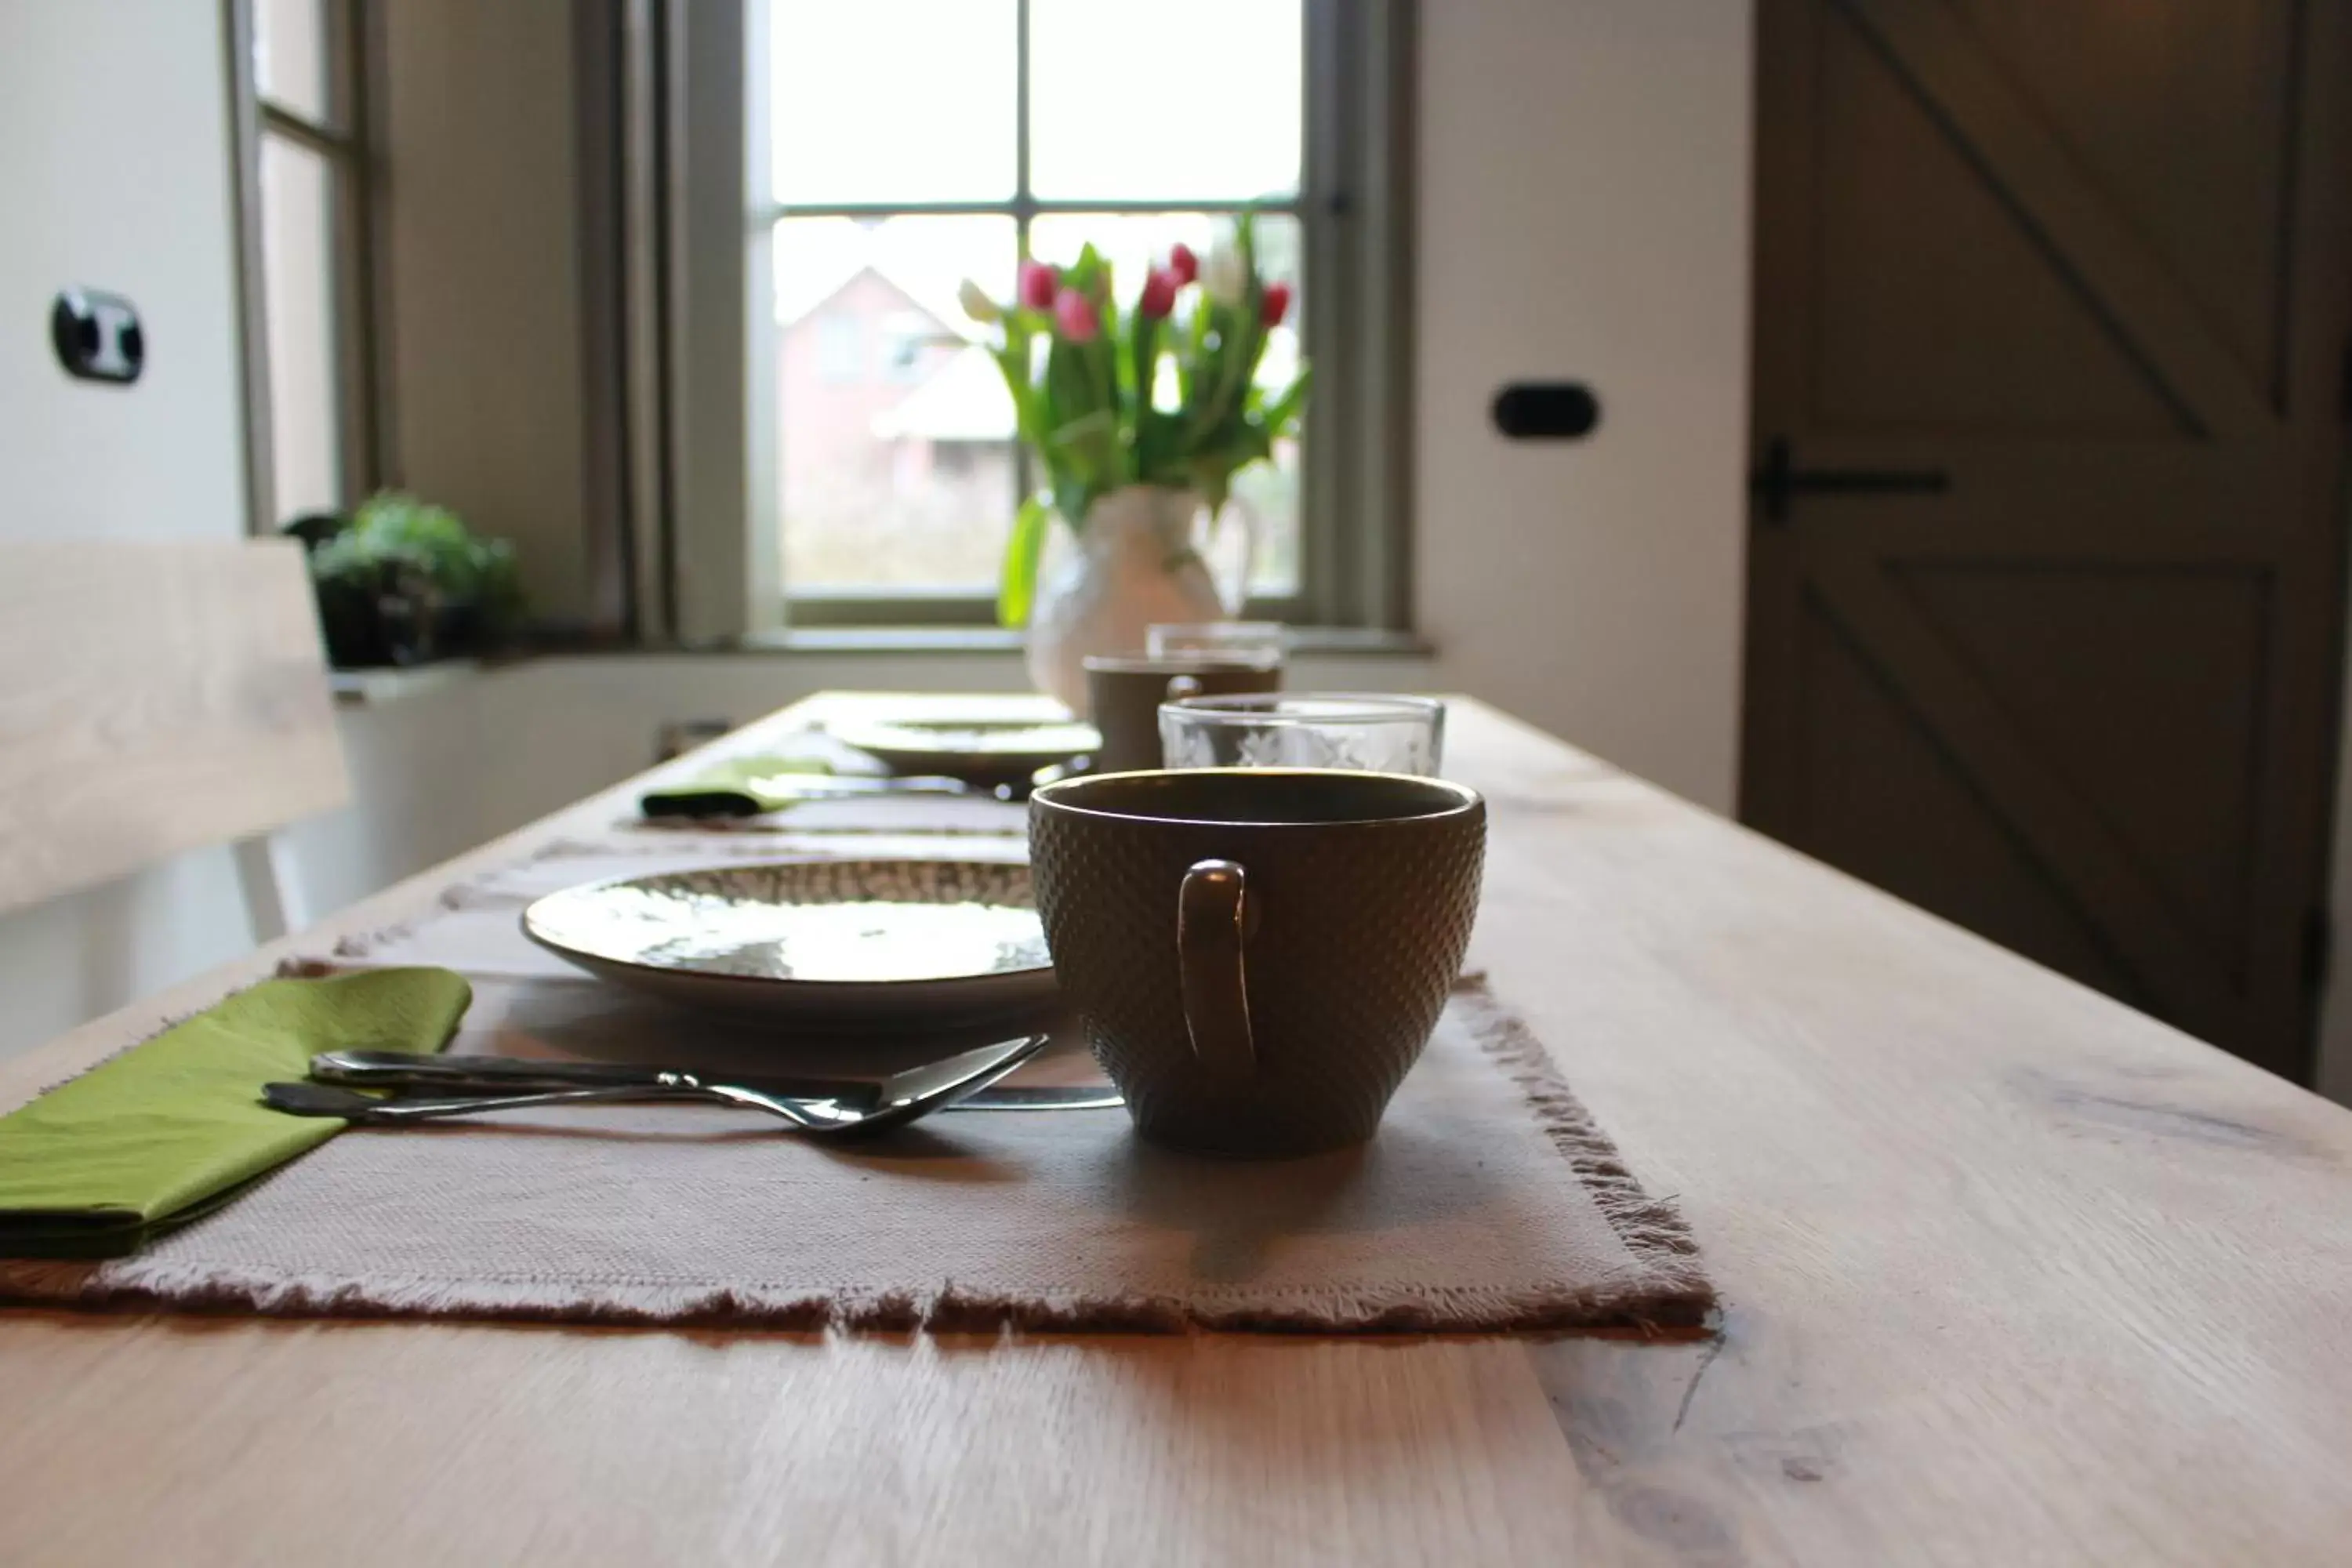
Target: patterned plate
column 848, row 944
column 980, row 751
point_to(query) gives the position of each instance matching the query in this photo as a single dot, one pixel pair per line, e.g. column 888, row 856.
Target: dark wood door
column 2046, row 568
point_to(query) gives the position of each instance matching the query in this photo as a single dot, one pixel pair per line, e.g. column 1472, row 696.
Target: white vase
column 1137, row 563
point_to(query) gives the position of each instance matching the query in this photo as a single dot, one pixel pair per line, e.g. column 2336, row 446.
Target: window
column 840, row 348
column 911, row 145
column 908, row 339
column 306, row 282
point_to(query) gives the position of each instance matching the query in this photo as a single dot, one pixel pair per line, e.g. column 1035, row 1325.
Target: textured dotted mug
column 1259, row 955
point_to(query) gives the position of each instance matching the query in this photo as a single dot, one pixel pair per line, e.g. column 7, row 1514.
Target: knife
column 404, row 1070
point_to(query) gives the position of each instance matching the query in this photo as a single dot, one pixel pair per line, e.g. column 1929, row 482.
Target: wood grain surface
column 2011, row 1275
column 155, row 696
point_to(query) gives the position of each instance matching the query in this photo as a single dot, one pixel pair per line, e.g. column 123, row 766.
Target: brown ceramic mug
column 1259, row 955
column 1124, row 695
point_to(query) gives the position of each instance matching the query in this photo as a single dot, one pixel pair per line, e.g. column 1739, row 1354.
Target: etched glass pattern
column 1308, row 730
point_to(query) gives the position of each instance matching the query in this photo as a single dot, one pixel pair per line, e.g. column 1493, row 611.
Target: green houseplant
column 403, row 582
column 1140, row 417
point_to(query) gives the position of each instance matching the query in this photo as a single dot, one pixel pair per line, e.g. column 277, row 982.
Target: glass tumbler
column 1384, row 733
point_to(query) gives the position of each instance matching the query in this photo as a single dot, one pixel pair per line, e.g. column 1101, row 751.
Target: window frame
column 344, row 141
column 1353, row 209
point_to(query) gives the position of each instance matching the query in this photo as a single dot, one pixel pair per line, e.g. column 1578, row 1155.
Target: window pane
column 893, row 100
column 1134, row 97
column 297, row 265
column 895, row 432
column 290, row 55
column 1132, row 244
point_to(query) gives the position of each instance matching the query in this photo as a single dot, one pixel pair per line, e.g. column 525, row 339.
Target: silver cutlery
column 870, row 1108
column 479, row 1074
column 818, row 1116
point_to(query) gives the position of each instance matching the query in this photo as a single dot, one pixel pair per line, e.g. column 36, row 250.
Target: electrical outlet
column 98, row 336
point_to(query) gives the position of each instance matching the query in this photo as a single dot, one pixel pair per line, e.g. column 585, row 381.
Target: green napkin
column 155, row 1136
column 739, row 787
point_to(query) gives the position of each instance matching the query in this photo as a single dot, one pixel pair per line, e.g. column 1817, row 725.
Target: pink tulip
column 1182, row 265
column 1158, row 296
column 1038, row 282
column 1074, row 314
column 1276, row 305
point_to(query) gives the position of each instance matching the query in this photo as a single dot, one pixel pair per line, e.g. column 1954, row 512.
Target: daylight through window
column 920, row 142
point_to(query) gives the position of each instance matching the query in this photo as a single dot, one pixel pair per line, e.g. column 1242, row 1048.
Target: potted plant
column 1140, row 417
column 405, row 581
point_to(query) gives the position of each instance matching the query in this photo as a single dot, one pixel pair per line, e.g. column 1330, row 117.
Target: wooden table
column 2011, row 1274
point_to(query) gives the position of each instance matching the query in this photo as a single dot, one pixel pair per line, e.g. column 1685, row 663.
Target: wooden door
column 2045, row 559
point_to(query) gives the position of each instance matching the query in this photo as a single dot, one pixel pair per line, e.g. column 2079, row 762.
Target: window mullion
column 1021, row 193
column 1323, row 499
column 1024, row 462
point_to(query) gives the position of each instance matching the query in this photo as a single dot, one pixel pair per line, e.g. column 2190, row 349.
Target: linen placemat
column 758, row 790
column 1489, row 1201
column 948, row 815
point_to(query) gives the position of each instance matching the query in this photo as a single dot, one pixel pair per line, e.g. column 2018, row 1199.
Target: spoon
column 445, row 1075
column 905, row 1097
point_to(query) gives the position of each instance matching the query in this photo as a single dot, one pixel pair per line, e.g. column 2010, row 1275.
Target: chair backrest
column 154, row 697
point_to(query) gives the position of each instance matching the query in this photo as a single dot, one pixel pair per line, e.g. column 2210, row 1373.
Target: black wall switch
column 98, row 336
column 1546, row 410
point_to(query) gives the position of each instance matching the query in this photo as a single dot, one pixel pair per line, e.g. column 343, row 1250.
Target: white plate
column 845, row 943
column 983, row 751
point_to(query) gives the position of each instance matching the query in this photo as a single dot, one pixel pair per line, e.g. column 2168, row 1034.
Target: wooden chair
column 157, row 697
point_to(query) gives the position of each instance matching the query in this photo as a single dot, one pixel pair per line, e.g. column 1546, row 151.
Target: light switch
column 97, row 335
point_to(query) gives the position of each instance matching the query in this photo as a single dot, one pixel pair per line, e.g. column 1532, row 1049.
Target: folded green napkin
column 154, row 1137
column 739, row 787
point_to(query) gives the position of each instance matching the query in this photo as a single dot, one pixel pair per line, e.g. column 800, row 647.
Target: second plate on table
column 840, row 944
column 978, row 751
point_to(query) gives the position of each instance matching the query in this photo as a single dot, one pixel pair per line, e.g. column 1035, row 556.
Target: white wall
column 1583, row 211
column 114, row 173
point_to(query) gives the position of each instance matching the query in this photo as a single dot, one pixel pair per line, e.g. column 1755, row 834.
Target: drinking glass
column 1258, row 644
column 1389, row 734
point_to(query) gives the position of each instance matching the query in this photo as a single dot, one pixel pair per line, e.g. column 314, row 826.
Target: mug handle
column 1211, row 907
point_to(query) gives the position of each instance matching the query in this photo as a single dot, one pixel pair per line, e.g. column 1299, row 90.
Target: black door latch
column 1780, row 481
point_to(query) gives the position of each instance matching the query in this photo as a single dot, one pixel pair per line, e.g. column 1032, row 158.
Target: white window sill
column 392, row 683
column 996, row 639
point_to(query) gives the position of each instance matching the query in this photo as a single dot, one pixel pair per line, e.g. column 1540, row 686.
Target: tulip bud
column 1277, row 304
column 1158, row 296
column 1182, row 265
column 977, row 304
column 1074, row 315
column 1223, row 275
column 1038, row 282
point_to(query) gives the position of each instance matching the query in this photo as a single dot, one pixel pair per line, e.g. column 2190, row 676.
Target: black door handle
column 1780, row 481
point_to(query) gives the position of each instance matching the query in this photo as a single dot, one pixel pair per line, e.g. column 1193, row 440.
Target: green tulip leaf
column 1023, row 547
